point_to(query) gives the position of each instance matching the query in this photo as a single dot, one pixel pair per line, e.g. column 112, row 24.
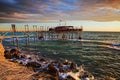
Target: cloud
column 99, row 3
column 39, row 10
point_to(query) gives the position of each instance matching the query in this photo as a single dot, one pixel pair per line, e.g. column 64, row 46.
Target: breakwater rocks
column 50, row 69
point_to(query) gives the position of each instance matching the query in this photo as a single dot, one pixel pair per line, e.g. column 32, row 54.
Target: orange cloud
column 19, row 15
column 39, row 10
column 113, row 3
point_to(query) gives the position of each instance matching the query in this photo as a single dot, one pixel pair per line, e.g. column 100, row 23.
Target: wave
column 107, row 44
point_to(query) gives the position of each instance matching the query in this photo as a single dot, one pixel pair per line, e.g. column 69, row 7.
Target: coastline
column 36, row 75
column 11, row 69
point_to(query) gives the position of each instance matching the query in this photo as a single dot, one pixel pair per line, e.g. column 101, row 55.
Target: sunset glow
column 93, row 15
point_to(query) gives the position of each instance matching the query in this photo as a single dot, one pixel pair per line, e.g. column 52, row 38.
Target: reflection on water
column 96, row 51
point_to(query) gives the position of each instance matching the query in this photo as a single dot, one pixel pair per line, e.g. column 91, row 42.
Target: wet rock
column 57, row 70
column 53, row 71
column 73, row 66
column 42, row 60
column 60, row 65
column 81, row 70
column 33, row 64
column 62, row 70
column 70, row 78
column 23, row 56
column 12, row 51
column 55, row 63
column 7, row 54
column 66, row 63
column 111, row 78
column 15, row 53
column 29, row 58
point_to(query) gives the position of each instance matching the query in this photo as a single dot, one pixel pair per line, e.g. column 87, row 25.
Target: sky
column 93, row 15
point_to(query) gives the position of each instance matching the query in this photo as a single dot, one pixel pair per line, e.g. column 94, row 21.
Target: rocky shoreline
column 42, row 68
column 12, row 71
column 18, row 65
column 58, row 69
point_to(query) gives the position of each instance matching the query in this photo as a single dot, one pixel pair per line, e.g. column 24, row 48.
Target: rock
column 7, row 54
column 63, row 76
column 53, row 71
column 42, row 60
column 73, row 66
column 60, row 65
column 87, row 76
column 66, row 63
column 55, row 63
column 12, row 51
column 111, row 78
column 70, row 78
column 81, row 71
column 62, row 70
column 33, row 64
column 23, row 56
column 15, row 53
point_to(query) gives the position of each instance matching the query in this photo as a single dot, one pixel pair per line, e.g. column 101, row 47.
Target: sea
column 99, row 52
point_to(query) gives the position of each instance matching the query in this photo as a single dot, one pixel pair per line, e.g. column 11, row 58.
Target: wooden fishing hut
column 65, row 31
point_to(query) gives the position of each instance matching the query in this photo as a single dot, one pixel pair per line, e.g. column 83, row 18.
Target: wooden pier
column 42, row 33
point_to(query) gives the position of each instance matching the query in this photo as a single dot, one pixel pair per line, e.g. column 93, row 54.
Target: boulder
column 15, row 53
column 73, row 66
column 23, row 56
column 53, row 71
column 7, row 54
column 33, row 64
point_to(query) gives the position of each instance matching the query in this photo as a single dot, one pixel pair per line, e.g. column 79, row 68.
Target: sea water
column 99, row 52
